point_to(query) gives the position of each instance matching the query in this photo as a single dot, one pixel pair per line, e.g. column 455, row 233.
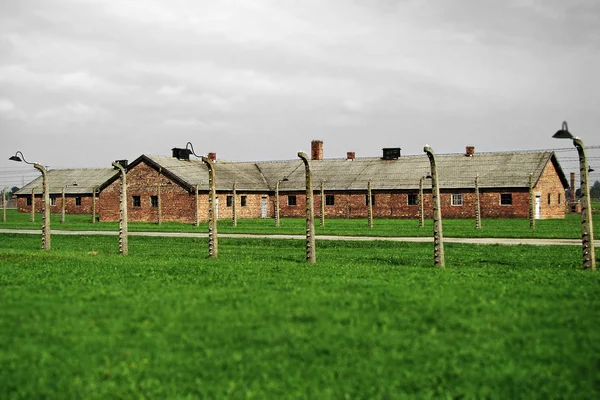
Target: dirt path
column 502, row 241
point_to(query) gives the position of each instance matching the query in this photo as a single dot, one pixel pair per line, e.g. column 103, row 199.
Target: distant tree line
column 9, row 193
column 595, row 191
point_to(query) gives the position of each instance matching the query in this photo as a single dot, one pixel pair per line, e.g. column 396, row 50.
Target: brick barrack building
column 176, row 187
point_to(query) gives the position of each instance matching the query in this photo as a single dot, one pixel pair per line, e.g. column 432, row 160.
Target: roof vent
column 391, row 153
column 181, row 154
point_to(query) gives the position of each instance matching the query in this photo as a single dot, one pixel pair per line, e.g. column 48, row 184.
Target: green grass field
column 570, row 227
column 371, row 320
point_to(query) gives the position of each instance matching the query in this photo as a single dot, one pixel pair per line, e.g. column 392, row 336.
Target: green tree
column 595, row 191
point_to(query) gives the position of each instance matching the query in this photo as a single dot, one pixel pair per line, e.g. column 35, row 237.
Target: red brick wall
column 177, row 204
column 395, row 205
column 70, row 207
column 550, row 184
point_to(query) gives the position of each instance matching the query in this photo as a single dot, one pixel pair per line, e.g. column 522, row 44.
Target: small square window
column 154, row 201
column 52, row 200
column 457, row 199
column 291, row 200
column 136, row 201
column 413, row 199
column 243, row 201
column 229, row 201
column 78, row 200
column 506, row 199
column 329, row 200
column 367, row 199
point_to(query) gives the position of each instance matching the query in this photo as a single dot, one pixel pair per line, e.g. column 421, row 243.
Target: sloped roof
column 495, row 170
column 77, row 181
column 190, row 173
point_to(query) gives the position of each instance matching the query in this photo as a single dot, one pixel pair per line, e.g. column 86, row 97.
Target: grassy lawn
column 570, row 227
column 370, row 320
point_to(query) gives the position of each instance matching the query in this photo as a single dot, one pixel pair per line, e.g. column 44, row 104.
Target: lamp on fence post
column 123, row 241
column 438, row 236
column 284, row 179
column 310, row 222
column 213, row 240
column 45, row 197
column 4, row 204
column 587, row 226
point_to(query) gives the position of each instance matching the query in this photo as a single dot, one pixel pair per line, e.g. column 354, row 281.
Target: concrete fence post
column 370, row 199
column 234, row 206
column 587, row 225
column 123, row 240
column 421, row 201
column 310, row 222
column 438, row 235
column 531, row 203
column 62, row 215
column 94, row 204
column 213, row 242
column 477, row 204
column 32, row 206
column 159, row 198
column 322, row 203
column 197, row 203
column 4, row 204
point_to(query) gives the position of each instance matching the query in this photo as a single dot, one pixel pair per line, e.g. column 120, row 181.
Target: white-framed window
column 457, row 199
column 506, row 199
column 413, row 199
column 136, row 201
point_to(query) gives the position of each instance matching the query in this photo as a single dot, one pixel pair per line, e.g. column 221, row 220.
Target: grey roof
column 190, row 173
column 495, row 170
column 77, row 181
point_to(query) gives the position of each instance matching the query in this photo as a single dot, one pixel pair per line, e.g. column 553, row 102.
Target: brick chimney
column 470, row 152
column 350, row 155
column 212, row 156
column 316, row 152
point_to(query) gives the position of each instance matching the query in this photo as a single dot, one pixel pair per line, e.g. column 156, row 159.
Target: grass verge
column 570, row 227
column 369, row 320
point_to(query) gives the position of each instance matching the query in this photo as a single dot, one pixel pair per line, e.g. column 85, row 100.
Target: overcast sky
column 85, row 82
